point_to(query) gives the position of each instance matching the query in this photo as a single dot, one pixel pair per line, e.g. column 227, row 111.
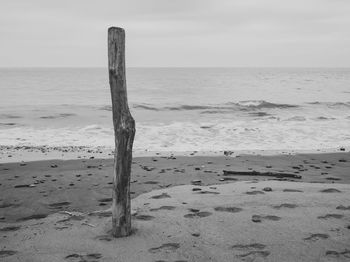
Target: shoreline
column 12, row 154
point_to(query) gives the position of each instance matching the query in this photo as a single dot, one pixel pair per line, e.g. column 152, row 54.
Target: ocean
column 179, row 109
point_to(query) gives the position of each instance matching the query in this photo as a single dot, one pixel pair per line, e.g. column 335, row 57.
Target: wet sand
column 34, row 192
column 29, row 188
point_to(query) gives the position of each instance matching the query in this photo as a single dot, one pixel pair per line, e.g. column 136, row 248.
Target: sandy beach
column 175, row 131
column 185, row 209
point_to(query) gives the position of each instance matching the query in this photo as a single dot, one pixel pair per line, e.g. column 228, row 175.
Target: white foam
column 267, row 134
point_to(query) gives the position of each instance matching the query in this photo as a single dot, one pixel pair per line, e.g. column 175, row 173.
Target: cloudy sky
column 177, row 32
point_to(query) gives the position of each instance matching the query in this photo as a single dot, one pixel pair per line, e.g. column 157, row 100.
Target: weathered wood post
column 124, row 132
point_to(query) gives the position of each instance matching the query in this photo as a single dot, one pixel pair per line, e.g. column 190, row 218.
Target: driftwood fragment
column 256, row 173
column 124, row 132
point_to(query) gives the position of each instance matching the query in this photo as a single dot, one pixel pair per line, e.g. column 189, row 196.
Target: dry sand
column 309, row 222
column 225, row 223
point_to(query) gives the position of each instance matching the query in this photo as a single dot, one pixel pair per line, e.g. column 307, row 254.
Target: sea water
column 179, row 109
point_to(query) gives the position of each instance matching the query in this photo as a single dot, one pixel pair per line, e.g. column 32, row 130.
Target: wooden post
column 124, row 132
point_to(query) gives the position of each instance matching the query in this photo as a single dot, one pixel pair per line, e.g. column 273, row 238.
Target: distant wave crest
column 331, row 104
column 250, row 105
column 259, row 104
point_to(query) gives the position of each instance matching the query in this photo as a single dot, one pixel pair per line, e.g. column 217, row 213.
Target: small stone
column 147, row 168
column 267, row 189
column 256, row 218
column 20, row 186
column 195, row 182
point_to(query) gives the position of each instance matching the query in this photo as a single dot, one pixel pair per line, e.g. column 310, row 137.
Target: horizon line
column 150, row 67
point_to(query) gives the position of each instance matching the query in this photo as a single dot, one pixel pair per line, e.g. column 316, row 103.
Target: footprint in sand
column 338, row 254
column 255, row 192
column 107, row 199
column 144, row 217
column 163, row 208
column 253, row 255
column 35, row 216
column 6, row 205
column 83, row 258
column 317, row 236
column 163, row 195
column 330, row 190
column 164, row 247
column 260, row 218
column 10, row 229
column 104, row 213
column 59, row 205
column 285, row 205
column 228, row 209
column 341, row 207
column 337, row 216
column 198, row 214
column 7, row 253
column 251, row 252
column 207, row 192
column 151, row 182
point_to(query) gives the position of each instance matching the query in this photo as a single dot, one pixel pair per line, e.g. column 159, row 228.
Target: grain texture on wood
column 124, row 131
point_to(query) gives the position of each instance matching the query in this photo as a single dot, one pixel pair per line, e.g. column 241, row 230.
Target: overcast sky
column 177, row 32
